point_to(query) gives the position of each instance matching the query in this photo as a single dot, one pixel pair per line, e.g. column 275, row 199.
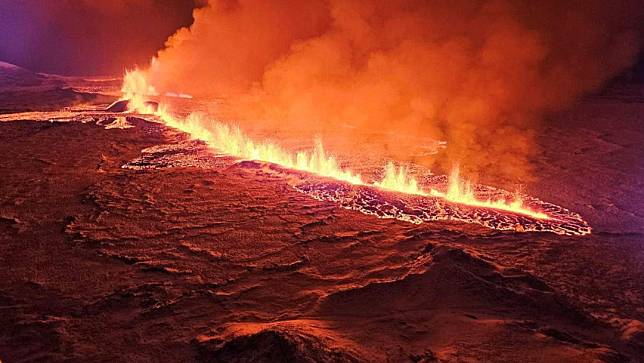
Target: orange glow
column 398, row 179
column 231, row 140
column 137, row 90
column 460, row 191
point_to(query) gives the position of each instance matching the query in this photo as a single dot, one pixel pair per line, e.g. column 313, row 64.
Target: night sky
column 87, row 37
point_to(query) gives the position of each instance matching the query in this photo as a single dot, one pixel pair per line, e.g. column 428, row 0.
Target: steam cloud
column 472, row 72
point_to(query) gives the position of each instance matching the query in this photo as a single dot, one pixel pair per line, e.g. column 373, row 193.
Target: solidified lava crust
column 417, row 209
column 177, row 254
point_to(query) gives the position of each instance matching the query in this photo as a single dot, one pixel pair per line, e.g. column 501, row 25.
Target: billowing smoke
column 86, row 37
column 476, row 73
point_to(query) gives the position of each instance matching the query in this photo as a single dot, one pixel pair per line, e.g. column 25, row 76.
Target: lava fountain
column 232, row 141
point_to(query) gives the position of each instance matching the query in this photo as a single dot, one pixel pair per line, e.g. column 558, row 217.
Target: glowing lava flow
column 232, row 141
column 459, row 191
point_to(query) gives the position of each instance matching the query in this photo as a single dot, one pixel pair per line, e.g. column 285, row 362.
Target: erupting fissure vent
column 455, row 196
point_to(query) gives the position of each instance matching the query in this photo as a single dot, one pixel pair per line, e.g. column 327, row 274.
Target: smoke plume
column 476, row 73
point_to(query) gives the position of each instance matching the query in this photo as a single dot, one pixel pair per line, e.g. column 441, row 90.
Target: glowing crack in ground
column 372, row 200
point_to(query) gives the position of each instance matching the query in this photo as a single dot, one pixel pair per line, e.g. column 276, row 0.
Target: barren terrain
column 196, row 256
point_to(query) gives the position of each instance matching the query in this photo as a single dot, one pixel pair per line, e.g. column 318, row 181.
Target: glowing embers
column 418, row 209
column 457, row 191
column 183, row 154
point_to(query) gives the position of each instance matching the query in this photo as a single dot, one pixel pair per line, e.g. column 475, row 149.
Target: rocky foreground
column 230, row 263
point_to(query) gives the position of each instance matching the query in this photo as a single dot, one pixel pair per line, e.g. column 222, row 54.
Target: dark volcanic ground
column 232, row 264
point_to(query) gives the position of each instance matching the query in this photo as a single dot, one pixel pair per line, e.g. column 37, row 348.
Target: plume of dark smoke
column 476, row 73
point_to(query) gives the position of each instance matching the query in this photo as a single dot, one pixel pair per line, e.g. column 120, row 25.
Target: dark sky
column 94, row 37
column 87, row 37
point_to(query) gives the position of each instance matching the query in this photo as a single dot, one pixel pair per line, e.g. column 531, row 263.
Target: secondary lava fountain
column 232, row 141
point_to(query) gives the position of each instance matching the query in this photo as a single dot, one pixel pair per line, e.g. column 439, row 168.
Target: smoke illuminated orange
column 231, row 140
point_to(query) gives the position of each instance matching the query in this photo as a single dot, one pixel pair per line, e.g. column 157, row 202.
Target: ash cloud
column 477, row 74
column 87, row 37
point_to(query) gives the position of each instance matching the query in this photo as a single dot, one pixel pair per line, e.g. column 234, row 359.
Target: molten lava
column 231, row 140
column 460, row 191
